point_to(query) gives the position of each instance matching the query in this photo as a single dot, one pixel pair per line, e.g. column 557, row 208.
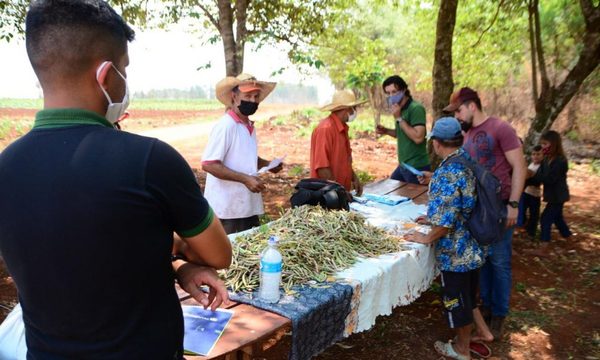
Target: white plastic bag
column 12, row 336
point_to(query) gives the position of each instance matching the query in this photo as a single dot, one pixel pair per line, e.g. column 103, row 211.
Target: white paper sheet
column 272, row 165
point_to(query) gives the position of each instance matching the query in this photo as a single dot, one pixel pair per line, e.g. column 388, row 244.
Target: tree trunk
column 442, row 66
column 241, row 14
column 226, row 31
column 534, row 84
column 443, row 84
column 572, row 114
column 553, row 99
column 374, row 101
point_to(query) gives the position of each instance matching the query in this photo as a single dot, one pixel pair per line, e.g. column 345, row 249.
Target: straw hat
column 342, row 99
column 246, row 83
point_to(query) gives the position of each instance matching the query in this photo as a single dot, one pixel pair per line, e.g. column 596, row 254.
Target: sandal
column 480, row 349
column 446, row 349
column 477, row 348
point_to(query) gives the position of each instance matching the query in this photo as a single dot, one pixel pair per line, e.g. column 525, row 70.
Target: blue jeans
column 496, row 276
column 553, row 214
column 532, row 204
column 402, row 174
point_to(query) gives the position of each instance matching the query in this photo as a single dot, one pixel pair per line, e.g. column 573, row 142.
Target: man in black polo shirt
column 88, row 212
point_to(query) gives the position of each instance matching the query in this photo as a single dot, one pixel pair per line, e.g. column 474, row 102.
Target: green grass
column 526, row 319
column 22, row 103
column 139, row 104
column 296, row 170
column 10, row 128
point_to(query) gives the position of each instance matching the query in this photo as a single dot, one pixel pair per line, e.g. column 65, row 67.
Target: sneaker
column 497, row 326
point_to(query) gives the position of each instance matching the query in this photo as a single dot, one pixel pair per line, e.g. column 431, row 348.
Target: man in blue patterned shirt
column 452, row 197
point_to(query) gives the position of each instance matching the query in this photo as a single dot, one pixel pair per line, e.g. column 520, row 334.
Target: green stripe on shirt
column 200, row 227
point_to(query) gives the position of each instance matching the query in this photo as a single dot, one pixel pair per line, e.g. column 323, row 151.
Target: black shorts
column 236, row 225
column 459, row 296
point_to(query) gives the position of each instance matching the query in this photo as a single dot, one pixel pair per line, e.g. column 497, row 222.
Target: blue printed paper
column 203, row 328
column 412, row 169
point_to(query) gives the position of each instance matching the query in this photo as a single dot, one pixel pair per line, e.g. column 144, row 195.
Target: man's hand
column 254, row 184
column 382, row 130
column 396, row 110
column 424, row 180
column 511, row 217
column 423, row 220
column 190, row 277
column 417, row 237
column 277, row 168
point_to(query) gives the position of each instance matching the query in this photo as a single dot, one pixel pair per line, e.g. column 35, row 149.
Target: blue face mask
column 395, row 99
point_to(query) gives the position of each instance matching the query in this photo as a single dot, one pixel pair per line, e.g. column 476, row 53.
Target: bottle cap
column 273, row 240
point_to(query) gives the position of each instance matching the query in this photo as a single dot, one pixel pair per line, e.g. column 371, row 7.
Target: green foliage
column 363, row 124
column 388, row 38
column 572, row 135
column 563, row 27
column 487, row 59
column 595, row 167
column 306, row 130
column 296, row 170
column 364, row 176
column 12, row 18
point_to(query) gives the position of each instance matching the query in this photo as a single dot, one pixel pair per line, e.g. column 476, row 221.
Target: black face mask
column 248, row 108
column 465, row 126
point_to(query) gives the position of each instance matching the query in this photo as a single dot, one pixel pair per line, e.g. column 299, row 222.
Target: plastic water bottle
column 270, row 272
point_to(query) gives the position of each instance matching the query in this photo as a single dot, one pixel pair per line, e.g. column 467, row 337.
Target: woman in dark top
column 553, row 175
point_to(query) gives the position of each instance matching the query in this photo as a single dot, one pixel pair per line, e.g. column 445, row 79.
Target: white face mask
column 352, row 116
column 114, row 110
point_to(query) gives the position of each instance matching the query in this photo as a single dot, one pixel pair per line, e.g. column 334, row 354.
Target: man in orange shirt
column 330, row 153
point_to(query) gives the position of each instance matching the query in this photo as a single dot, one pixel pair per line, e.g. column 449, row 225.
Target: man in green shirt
column 410, row 130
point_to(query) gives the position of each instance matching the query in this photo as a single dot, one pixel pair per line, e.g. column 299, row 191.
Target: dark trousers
column 403, row 174
column 553, row 214
column 236, row 225
column 532, row 204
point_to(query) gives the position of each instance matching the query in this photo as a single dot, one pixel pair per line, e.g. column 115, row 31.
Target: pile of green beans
column 315, row 244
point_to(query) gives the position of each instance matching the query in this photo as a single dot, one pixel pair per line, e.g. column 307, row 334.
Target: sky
column 161, row 59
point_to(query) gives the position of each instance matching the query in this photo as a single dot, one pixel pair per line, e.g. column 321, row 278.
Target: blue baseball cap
column 446, row 128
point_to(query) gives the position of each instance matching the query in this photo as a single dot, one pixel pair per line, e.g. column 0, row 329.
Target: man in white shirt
column 231, row 156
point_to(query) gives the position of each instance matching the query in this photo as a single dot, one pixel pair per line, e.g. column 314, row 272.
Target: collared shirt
column 452, row 197
column 249, row 125
column 233, row 143
column 87, row 219
column 408, row 151
column 330, row 148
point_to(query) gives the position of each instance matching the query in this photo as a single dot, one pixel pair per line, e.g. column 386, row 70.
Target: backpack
column 328, row 194
column 487, row 223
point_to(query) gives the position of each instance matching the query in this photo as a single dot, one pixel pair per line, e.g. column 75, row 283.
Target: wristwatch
column 399, row 119
column 513, row 204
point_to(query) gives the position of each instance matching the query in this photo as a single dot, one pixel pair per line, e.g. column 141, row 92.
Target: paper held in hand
column 272, row 165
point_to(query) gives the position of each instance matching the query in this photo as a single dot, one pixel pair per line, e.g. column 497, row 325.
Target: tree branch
column 210, row 17
column 540, row 48
column 491, row 24
column 590, row 12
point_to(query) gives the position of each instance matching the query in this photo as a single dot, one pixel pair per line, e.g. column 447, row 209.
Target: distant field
column 139, row 104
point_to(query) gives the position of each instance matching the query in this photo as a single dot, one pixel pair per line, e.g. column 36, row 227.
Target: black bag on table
column 328, row 194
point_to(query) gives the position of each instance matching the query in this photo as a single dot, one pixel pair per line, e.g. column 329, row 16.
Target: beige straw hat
column 342, row 99
column 246, row 83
